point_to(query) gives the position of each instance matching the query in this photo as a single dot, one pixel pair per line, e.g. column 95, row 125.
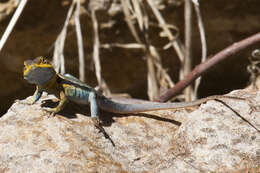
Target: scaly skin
column 41, row 73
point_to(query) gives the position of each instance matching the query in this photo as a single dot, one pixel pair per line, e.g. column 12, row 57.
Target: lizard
column 41, row 73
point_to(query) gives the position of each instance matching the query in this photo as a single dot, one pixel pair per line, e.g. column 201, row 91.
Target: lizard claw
column 50, row 111
column 97, row 124
column 52, row 114
column 101, row 129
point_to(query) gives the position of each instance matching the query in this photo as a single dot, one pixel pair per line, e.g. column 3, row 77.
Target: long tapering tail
column 115, row 107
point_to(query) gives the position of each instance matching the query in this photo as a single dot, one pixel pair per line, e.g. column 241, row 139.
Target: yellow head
column 38, row 71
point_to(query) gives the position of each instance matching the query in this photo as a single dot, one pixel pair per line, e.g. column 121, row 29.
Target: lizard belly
column 77, row 95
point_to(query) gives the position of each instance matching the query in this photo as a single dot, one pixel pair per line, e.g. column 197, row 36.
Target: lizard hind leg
column 93, row 105
column 94, row 110
column 98, row 125
column 95, row 116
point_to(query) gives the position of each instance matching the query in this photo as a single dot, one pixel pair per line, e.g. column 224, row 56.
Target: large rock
column 211, row 138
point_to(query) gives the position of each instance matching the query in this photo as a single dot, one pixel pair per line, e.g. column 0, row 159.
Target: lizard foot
column 98, row 125
column 52, row 114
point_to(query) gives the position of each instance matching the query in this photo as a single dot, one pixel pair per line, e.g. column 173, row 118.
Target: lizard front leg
column 63, row 100
column 36, row 96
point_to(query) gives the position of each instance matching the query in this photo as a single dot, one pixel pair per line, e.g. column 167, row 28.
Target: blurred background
column 101, row 48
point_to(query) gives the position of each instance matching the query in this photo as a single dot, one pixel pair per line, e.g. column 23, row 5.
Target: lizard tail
column 115, row 107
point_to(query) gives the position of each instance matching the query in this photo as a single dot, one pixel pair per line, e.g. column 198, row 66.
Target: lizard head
column 38, row 71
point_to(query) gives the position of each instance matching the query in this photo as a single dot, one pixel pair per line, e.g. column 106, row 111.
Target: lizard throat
column 40, row 75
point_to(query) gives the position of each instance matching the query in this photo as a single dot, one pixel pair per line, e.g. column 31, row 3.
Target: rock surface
column 210, row 139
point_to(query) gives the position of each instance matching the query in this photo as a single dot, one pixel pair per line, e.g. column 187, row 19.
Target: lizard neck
column 50, row 84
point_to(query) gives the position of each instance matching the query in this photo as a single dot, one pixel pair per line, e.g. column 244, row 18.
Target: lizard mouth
column 26, row 78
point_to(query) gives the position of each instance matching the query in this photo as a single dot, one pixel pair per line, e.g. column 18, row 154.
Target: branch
column 80, row 43
column 96, row 55
column 12, row 23
column 174, row 41
column 58, row 54
column 203, row 45
column 187, row 62
column 203, row 67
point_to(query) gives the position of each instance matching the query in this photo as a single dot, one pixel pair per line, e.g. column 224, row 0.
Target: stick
column 203, row 67
column 11, row 24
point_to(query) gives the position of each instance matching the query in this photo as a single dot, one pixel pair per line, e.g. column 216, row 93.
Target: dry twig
column 173, row 40
column 101, row 82
column 203, row 46
column 80, row 43
column 187, row 62
column 153, row 90
column 129, row 21
column 125, row 46
column 203, row 67
column 58, row 57
column 156, row 74
column 12, row 23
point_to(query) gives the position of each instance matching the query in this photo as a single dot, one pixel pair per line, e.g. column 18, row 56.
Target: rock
column 210, row 139
column 215, row 139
